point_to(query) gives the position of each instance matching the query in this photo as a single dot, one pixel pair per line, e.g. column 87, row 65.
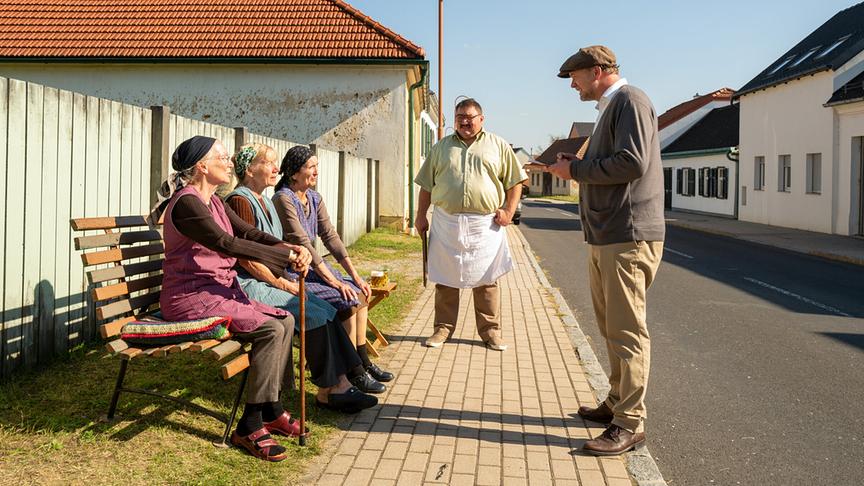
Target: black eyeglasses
column 467, row 117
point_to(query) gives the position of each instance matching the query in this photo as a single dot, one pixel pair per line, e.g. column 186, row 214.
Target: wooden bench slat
column 113, row 328
column 124, row 271
column 82, row 224
column 126, row 288
column 116, row 239
column 163, row 351
column 224, row 350
column 204, row 345
column 118, row 255
column 116, row 346
column 177, row 348
column 127, row 305
column 235, row 366
column 129, row 353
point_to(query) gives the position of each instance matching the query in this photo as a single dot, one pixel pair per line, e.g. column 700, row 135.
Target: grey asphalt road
column 757, row 355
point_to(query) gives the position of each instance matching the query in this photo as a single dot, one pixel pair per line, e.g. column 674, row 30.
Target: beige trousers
column 620, row 275
column 486, row 309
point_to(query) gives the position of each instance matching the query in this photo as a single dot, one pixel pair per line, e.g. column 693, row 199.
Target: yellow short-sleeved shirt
column 473, row 179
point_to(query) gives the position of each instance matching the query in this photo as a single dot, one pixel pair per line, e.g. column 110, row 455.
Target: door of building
column 667, row 186
column 858, row 153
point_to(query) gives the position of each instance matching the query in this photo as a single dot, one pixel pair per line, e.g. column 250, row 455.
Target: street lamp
column 440, row 68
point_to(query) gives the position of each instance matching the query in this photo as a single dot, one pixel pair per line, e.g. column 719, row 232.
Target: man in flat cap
column 621, row 206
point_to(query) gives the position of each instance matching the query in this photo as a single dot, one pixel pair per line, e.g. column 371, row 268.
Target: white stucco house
column 699, row 170
column 318, row 71
column 801, row 132
column 678, row 119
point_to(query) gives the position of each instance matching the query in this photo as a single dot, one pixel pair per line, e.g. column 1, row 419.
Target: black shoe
column 367, row 384
column 378, row 373
column 352, row 401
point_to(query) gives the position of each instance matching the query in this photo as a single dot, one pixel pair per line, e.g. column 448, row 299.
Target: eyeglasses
column 467, row 117
column 222, row 158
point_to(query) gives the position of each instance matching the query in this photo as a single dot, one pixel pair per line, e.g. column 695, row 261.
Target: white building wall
column 851, row 125
column 713, row 205
column 359, row 109
column 788, row 119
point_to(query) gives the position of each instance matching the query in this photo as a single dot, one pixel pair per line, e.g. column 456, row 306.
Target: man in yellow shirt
column 474, row 180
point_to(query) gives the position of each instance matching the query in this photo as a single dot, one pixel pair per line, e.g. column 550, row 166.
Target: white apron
column 467, row 250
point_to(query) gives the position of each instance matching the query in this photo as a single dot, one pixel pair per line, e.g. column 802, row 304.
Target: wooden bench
column 378, row 294
column 124, row 268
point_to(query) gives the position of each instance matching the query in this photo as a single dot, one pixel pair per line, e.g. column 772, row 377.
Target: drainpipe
column 424, row 69
column 732, row 155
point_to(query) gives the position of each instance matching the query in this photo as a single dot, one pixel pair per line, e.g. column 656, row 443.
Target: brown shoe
column 614, row 441
column 602, row 414
column 436, row 340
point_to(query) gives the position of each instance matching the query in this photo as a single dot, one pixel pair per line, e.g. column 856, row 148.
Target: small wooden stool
column 378, row 294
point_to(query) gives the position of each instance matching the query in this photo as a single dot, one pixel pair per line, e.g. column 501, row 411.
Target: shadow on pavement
column 854, row 340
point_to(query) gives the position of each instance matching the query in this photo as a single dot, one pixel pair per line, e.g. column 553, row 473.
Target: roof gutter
column 424, row 71
column 843, row 102
column 694, row 153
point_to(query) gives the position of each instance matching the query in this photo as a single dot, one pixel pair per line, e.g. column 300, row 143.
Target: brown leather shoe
column 602, row 414
column 614, row 441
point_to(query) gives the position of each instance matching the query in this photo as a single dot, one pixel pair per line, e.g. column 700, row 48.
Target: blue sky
column 506, row 53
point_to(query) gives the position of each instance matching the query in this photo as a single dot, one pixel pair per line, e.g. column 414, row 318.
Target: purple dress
column 199, row 282
column 314, row 283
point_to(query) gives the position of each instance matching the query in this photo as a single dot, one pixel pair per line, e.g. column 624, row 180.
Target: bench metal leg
column 117, row 389
column 236, row 405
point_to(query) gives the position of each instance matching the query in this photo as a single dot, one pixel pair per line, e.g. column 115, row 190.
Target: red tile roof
column 195, row 28
column 680, row 111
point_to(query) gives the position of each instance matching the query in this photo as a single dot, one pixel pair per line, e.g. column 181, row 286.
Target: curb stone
column 640, row 464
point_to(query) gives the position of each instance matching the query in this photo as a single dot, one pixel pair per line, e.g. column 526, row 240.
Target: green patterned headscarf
column 243, row 159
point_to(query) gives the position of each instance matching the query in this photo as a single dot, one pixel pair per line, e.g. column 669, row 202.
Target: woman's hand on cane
column 302, row 258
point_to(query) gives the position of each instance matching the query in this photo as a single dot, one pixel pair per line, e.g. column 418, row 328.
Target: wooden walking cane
column 425, row 245
column 302, row 437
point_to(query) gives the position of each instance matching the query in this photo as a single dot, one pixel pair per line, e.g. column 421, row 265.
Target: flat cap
column 587, row 57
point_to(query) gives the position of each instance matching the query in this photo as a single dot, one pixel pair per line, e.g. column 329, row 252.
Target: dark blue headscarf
column 191, row 151
column 294, row 160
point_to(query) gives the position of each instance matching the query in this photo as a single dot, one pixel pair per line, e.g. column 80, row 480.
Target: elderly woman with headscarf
column 202, row 241
column 330, row 353
column 304, row 218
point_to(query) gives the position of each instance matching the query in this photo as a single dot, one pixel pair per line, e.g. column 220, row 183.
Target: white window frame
column 814, row 173
column 759, row 173
column 784, row 173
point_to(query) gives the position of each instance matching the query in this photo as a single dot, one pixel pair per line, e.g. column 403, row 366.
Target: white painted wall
column 789, row 119
column 713, row 205
column 851, row 125
column 675, row 130
column 359, row 109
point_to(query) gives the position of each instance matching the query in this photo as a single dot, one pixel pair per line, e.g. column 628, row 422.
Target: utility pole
column 440, row 69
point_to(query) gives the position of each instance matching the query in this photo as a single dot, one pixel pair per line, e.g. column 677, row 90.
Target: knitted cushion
column 162, row 333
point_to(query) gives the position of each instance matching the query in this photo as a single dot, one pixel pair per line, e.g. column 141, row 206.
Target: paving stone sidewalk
column 465, row 414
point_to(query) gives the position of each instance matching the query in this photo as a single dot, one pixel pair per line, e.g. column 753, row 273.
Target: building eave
column 694, row 153
column 218, row 60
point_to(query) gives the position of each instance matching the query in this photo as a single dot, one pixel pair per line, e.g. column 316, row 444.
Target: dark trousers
column 271, row 343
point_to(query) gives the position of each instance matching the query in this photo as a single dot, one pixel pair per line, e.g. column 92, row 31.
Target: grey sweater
column 621, row 176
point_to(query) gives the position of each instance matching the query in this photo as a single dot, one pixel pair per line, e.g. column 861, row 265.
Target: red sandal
column 284, row 425
column 259, row 444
